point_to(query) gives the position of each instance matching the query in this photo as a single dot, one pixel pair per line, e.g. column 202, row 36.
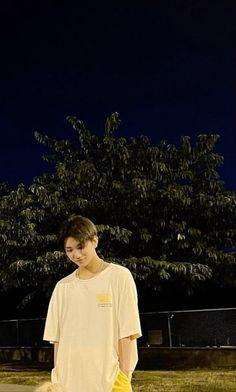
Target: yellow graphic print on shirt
column 104, row 299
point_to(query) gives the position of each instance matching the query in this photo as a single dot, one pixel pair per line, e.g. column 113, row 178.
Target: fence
column 23, row 332
column 177, row 329
column 190, row 328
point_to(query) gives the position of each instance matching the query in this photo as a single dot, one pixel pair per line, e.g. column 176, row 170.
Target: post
column 169, row 329
column 17, row 333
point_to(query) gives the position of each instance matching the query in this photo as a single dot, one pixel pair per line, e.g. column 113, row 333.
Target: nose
column 77, row 253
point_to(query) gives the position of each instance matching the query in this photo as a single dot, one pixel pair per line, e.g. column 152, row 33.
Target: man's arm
column 55, row 344
column 124, row 349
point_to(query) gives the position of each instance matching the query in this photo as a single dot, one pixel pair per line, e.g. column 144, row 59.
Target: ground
column 196, row 380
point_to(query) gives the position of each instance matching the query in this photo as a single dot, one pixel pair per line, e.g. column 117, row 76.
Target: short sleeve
column 128, row 314
column 52, row 330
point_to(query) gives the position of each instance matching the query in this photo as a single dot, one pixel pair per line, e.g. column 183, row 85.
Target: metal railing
column 22, row 332
column 214, row 328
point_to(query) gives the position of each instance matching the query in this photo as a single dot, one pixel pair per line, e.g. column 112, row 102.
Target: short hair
column 78, row 227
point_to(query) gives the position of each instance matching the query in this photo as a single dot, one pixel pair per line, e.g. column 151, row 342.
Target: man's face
column 81, row 256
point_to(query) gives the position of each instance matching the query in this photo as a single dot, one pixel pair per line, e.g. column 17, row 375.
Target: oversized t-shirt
column 87, row 318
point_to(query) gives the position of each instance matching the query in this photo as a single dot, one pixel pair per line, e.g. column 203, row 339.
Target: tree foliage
column 161, row 210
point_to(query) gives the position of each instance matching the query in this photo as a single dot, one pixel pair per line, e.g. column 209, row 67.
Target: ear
column 95, row 239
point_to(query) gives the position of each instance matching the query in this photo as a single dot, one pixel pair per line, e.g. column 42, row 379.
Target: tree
column 160, row 210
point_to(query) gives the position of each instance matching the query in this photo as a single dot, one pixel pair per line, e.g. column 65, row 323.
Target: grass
column 147, row 381
column 185, row 381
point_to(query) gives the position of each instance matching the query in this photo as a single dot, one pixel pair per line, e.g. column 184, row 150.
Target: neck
column 93, row 267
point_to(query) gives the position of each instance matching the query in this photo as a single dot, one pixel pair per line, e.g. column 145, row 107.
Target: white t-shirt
column 87, row 318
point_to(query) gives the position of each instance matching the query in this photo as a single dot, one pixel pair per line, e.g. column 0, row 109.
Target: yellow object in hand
column 122, row 383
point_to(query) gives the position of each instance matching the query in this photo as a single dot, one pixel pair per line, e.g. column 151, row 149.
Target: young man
column 92, row 318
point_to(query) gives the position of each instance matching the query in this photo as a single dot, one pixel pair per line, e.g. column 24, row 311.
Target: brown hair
column 79, row 227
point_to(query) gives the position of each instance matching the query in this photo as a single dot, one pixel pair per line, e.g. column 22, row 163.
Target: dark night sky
column 168, row 68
